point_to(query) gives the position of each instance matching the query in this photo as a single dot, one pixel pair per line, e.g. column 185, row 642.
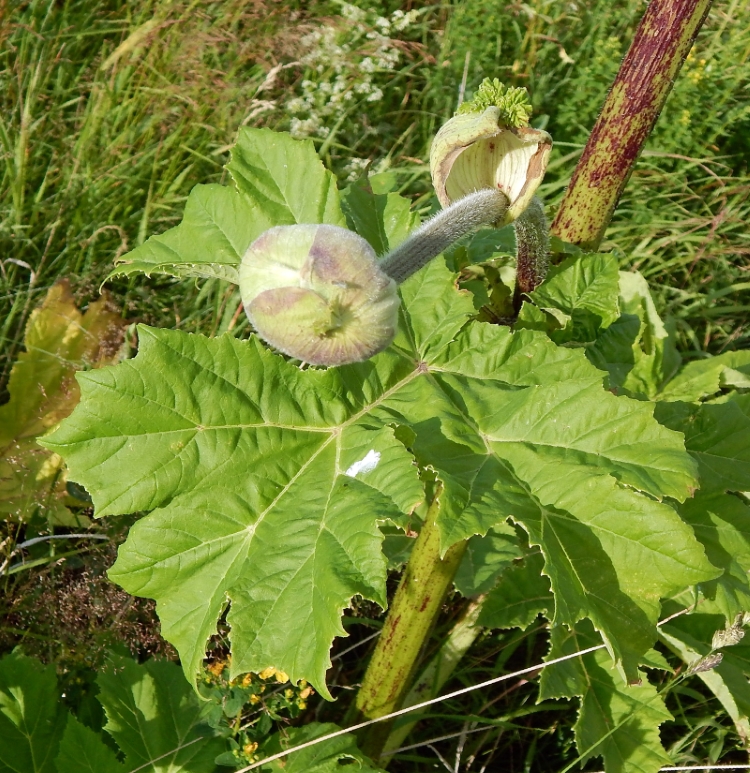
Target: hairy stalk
column 415, row 607
column 532, row 250
column 663, row 39
column 484, row 207
column 437, row 672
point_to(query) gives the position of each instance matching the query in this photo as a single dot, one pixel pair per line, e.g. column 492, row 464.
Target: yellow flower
column 217, row 667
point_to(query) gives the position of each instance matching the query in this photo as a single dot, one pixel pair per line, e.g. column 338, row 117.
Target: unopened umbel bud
column 316, row 293
column 490, row 147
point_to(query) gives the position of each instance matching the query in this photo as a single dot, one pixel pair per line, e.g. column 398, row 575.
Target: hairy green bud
column 317, row 293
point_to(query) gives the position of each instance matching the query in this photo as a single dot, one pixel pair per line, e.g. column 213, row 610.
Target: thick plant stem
column 532, row 250
column 663, row 39
column 437, row 672
column 485, row 207
column 424, row 585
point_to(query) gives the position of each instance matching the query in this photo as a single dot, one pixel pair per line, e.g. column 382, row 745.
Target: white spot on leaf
column 366, row 464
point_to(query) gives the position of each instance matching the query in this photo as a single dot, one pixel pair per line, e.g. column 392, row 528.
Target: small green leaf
column 722, row 524
column 155, row 717
column 609, row 552
column 718, row 437
column 433, row 311
column 637, row 350
column 689, row 636
column 620, row 723
column 217, row 227
column 585, row 288
column 384, row 220
column 616, row 721
column 488, row 243
column 703, row 378
column 31, row 717
column 267, row 166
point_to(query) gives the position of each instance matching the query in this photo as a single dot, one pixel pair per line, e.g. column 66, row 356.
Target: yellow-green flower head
column 317, row 293
column 488, row 144
column 513, row 103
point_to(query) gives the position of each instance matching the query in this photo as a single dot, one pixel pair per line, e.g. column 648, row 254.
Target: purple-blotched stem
column 663, row 39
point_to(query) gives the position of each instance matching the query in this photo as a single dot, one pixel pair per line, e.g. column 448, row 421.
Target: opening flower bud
column 489, row 146
column 317, row 293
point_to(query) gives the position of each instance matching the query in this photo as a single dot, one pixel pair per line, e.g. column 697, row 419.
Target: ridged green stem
column 412, row 614
column 462, row 217
column 662, row 41
column 437, row 672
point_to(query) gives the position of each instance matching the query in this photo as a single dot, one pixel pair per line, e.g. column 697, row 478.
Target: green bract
column 513, row 103
column 316, row 292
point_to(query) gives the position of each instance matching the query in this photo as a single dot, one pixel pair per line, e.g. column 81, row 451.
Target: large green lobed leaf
column 267, row 484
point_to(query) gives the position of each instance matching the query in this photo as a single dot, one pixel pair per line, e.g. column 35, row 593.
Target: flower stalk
column 418, row 600
column 663, row 39
column 462, row 217
column 437, row 672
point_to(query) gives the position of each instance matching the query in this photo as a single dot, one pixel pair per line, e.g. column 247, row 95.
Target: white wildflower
column 403, row 20
column 354, row 168
column 296, row 105
column 351, row 12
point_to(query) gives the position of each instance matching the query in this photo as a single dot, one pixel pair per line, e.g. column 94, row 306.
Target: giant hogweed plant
column 558, row 461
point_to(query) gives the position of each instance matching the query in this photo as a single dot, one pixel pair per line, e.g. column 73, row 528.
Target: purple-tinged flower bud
column 317, row 293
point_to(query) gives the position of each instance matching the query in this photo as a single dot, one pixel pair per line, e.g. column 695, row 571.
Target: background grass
column 110, row 112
